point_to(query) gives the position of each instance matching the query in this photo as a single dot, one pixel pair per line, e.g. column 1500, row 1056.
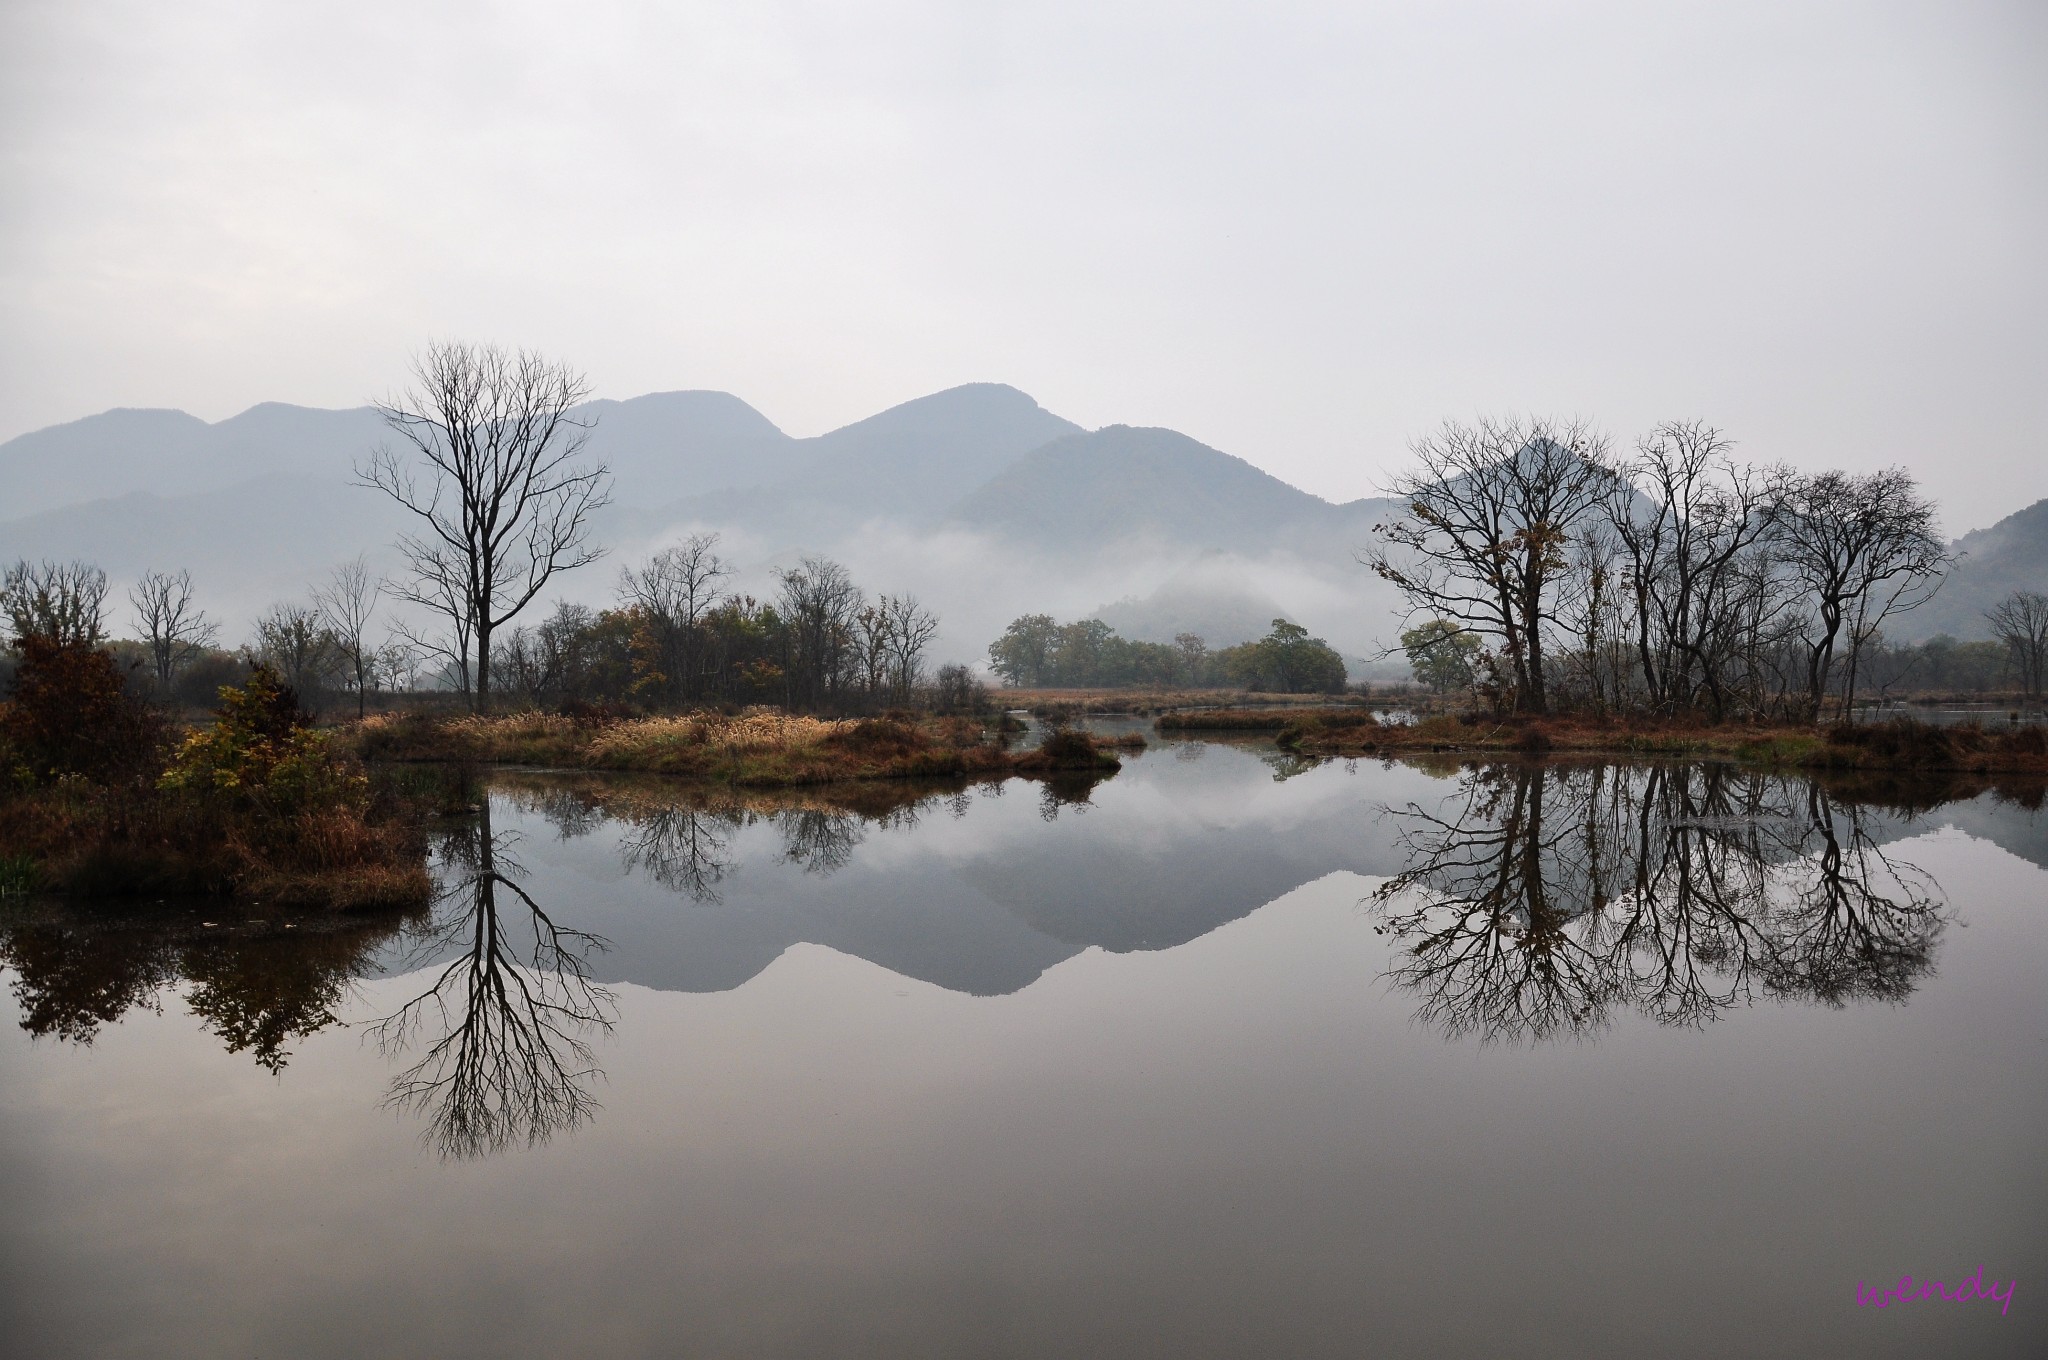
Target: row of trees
column 1671, row 579
column 677, row 638
column 319, row 646
column 1037, row 651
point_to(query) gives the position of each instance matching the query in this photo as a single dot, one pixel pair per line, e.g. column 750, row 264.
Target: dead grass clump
column 1068, row 750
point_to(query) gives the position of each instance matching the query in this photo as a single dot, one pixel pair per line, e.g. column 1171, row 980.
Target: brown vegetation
column 255, row 806
column 1899, row 745
column 761, row 749
column 1270, row 719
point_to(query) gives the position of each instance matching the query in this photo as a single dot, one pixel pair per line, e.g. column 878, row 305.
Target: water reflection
column 1529, row 901
column 259, row 985
column 503, row 1032
column 1542, row 899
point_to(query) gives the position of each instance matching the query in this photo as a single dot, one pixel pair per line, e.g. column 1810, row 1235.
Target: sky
column 1302, row 233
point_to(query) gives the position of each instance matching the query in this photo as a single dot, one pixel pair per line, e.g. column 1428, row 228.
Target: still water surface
column 1228, row 1055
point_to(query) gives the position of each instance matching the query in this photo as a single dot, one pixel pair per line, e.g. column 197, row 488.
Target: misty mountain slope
column 170, row 453
column 2010, row 555
column 1124, row 480
column 668, row 445
column 906, row 464
column 247, row 545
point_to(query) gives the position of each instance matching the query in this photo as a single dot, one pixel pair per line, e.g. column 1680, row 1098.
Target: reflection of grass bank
column 259, row 978
column 1898, row 745
column 760, row 750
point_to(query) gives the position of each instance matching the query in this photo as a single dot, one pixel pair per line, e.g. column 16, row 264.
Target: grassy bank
column 752, row 750
column 1896, row 745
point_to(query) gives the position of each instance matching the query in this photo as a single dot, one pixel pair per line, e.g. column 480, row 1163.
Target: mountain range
column 976, row 498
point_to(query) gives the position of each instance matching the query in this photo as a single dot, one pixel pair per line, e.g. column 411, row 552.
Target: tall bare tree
column 488, row 457
column 64, row 602
column 818, row 604
column 170, row 623
column 1865, row 548
column 1491, row 510
column 346, row 603
column 2021, row 622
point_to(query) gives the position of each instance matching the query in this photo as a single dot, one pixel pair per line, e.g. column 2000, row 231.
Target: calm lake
column 1229, row 1055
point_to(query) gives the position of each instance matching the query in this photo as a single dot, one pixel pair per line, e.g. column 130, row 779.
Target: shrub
column 70, row 713
column 260, row 747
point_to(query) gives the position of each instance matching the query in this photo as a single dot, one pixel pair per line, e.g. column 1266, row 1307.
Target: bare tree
column 1687, row 518
column 493, row 471
column 911, row 629
column 2021, row 622
column 172, row 626
column 346, row 603
column 871, row 638
column 292, row 640
column 398, row 664
column 1865, row 548
column 818, row 606
column 677, row 587
column 63, row 602
column 1490, row 513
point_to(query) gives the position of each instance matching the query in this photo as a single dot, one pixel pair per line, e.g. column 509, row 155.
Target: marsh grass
column 1900, row 745
column 758, row 748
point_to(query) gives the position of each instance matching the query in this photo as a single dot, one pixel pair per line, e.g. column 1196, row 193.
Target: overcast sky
column 1300, row 232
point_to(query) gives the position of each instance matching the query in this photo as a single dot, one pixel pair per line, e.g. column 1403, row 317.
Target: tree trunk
column 481, row 700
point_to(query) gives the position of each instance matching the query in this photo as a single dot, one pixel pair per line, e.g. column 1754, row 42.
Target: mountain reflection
column 503, row 1032
column 1542, row 899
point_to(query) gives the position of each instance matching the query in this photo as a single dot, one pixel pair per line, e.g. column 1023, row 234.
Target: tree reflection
column 822, row 840
column 504, row 1031
column 1544, row 898
column 256, row 987
column 686, row 850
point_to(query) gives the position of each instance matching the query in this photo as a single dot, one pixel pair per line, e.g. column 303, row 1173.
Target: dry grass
column 1257, row 719
column 1900, row 745
column 759, row 748
column 95, row 842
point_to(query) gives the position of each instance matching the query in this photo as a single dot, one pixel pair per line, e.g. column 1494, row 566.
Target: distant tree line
column 1036, row 651
column 676, row 638
column 1545, row 571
